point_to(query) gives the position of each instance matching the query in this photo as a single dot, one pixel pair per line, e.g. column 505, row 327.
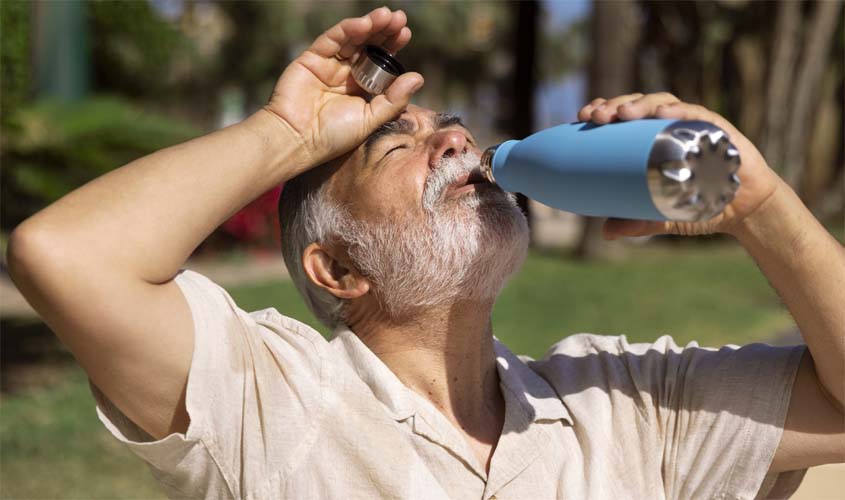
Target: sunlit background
column 87, row 87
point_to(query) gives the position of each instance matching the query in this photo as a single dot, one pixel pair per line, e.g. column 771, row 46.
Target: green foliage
column 134, row 50
column 57, row 147
column 14, row 57
column 562, row 52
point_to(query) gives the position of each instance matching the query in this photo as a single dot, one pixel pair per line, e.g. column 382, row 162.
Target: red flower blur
column 257, row 224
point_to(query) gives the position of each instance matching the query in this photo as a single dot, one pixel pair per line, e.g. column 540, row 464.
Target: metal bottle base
column 691, row 171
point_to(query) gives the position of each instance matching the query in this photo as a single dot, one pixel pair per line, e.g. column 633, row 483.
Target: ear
column 328, row 273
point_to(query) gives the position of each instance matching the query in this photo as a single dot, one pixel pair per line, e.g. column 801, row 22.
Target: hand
column 319, row 101
column 757, row 181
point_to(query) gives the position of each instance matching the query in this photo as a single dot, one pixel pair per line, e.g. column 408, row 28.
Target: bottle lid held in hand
column 376, row 69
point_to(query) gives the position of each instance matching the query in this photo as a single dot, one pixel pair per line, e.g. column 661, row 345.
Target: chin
column 503, row 247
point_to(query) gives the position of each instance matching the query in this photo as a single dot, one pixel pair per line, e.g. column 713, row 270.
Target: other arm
column 801, row 260
column 806, row 266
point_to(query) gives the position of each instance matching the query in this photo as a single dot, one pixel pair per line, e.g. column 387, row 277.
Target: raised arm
column 801, row 260
column 98, row 264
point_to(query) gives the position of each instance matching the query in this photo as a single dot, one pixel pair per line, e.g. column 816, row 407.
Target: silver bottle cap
column 691, row 171
column 375, row 69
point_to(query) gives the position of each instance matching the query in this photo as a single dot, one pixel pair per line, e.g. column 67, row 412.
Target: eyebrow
column 407, row 127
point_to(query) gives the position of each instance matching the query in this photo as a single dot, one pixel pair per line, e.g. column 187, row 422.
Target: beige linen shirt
column 278, row 412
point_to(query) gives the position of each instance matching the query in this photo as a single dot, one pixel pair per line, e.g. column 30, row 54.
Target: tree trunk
column 524, row 83
column 750, row 61
column 825, row 142
column 784, row 55
column 615, row 33
column 818, row 40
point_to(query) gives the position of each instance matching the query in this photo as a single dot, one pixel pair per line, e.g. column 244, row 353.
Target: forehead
column 414, row 120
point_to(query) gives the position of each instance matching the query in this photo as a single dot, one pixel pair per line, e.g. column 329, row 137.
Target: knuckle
column 668, row 96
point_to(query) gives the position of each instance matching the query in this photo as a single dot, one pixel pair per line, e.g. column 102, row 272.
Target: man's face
column 425, row 227
column 385, row 177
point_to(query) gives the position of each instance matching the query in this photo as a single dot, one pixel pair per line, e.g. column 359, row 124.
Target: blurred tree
column 785, row 47
column 818, row 40
column 780, row 82
column 519, row 100
column 60, row 49
column 561, row 52
column 14, row 59
column 135, row 51
column 454, row 48
column 254, row 54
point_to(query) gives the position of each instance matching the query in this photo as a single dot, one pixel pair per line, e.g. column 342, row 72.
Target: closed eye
column 394, row 148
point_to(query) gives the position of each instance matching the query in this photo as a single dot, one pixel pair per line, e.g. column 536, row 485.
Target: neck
column 446, row 355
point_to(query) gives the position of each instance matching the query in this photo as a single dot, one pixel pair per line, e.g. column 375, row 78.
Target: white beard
column 461, row 249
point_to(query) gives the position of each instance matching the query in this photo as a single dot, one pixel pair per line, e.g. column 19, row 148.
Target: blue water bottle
column 642, row 169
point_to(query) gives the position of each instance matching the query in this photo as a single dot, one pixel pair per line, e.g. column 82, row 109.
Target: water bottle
column 651, row 169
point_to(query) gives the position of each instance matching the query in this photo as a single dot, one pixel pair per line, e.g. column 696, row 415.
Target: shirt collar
column 384, row 384
column 520, row 384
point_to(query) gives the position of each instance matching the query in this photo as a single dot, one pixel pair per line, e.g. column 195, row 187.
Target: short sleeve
column 719, row 415
column 248, row 374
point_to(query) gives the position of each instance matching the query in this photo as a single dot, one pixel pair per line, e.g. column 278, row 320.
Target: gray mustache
column 448, row 171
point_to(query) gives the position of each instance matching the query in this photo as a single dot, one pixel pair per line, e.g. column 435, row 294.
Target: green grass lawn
column 713, row 293
column 53, row 446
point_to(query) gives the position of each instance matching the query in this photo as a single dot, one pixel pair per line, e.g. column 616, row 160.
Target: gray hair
column 308, row 215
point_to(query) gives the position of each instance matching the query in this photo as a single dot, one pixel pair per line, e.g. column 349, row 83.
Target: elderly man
column 394, row 243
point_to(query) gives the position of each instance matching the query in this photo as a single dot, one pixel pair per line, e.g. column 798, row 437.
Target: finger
column 685, row 111
column 396, row 22
column 645, row 106
column 626, row 228
column 386, row 106
column 337, row 39
column 398, row 41
column 584, row 113
column 607, row 111
column 381, row 18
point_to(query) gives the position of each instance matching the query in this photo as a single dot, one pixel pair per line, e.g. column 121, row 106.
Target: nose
column 447, row 143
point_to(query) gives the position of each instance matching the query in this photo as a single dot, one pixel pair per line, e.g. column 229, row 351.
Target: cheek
column 398, row 189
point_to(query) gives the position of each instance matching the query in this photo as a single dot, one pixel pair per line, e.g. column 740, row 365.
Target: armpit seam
column 209, row 443
column 789, row 379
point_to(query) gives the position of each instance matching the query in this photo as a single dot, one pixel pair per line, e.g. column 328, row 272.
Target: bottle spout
column 487, row 162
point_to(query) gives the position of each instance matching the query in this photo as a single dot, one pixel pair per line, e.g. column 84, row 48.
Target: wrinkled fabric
column 279, row 412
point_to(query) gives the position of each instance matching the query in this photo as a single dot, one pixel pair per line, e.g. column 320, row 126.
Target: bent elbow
column 29, row 251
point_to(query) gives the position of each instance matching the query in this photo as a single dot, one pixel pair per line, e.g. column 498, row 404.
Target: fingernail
column 600, row 106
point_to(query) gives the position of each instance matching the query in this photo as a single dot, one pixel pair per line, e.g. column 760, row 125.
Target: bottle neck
column 487, row 162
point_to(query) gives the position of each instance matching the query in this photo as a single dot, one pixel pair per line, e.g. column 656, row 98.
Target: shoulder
column 609, row 367
column 231, row 342
column 211, row 305
column 606, row 349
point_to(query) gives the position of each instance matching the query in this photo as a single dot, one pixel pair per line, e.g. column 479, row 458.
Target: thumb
column 385, row 106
